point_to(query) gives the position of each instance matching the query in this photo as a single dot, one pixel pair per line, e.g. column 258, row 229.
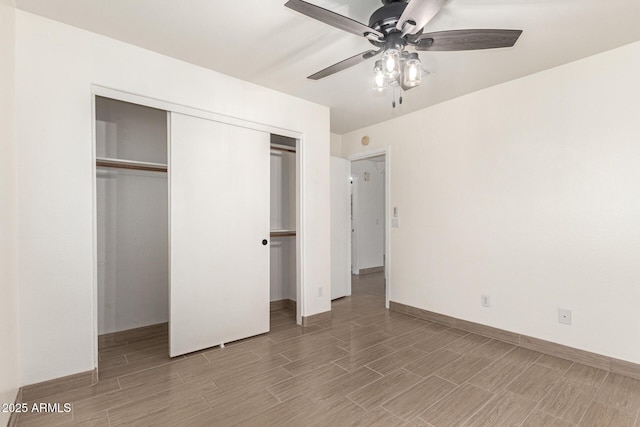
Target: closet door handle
column 264, row 242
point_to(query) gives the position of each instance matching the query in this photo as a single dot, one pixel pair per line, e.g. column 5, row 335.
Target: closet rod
column 130, row 165
column 282, row 233
column 283, row 148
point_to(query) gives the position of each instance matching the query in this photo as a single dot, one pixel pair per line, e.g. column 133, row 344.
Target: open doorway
column 369, row 223
column 132, row 224
column 283, row 224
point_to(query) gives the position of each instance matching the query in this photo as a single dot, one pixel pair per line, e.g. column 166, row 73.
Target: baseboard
column 47, row 388
column 13, row 419
column 316, row 318
column 371, row 270
column 595, row 360
column 282, row 304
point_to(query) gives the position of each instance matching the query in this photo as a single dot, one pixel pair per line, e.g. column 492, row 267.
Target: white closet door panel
column 219, row 216
column 340, row 227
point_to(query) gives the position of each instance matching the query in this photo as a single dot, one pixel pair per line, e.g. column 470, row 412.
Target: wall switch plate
column 485, row 300
column 320, row 291
column 564, row 316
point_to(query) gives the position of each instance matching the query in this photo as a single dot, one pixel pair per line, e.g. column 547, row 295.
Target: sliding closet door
column 219, row 215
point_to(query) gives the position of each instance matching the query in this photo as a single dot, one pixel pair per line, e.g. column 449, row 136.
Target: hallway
column 366, row 367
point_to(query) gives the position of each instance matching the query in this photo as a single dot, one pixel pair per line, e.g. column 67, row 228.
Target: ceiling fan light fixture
column 396, row 26
column 412, row 73
column 379, row 79
column 391, row 63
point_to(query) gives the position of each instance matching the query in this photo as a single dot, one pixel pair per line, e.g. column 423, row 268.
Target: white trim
column 94, row 233
column 383, row 151
column 169, row 142
column 190, row 111
column 300, row 290
column 369, row 154
column 355, row 199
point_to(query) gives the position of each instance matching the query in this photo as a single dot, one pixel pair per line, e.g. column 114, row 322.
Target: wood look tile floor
column 366, row 367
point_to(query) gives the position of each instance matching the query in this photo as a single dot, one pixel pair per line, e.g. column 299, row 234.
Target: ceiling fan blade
column 331, row 18
column 343, row 65
column 467, row 40
column 417, row 14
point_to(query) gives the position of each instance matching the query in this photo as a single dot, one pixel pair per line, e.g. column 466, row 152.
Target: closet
column 132, row 222
column 195, row 224
column 283, row 223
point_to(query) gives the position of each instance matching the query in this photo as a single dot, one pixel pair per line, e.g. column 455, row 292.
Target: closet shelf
column 130, row 164
column 282, row 233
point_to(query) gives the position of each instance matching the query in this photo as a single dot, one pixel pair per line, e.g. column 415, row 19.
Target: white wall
column 369, row 214
column 283, row 190
column 282, row 250
column 529, row 192
column 9, row 362
column 130, row 132
column 282, row 261
column 336, row 145
column 133, row 253
column 55, row 67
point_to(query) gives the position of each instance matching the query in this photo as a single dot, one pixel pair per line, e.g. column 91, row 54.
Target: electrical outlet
column 564, row 316
column 485, row 300
column 320, row 291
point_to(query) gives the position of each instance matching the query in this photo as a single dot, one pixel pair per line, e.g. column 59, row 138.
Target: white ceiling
column 263, row 42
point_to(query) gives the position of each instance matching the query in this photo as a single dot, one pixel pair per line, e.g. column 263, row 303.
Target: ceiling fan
column 393, row 29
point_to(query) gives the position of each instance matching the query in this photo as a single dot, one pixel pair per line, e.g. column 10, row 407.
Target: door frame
column 106, row 92
column 355, row 199
column 386, row 152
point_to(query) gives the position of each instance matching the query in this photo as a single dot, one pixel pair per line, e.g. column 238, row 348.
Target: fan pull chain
column 393, row 99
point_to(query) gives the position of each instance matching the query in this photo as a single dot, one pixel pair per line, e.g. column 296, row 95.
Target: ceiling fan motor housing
column 385, row 18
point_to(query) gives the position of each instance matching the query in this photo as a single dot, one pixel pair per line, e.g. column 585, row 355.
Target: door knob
column 264, row 242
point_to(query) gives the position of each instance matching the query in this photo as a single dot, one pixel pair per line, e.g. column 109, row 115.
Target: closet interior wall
column 132, row 216
column 283, row 222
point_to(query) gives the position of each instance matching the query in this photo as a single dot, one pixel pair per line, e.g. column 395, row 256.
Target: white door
column 340, row 227
column 219, row 216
